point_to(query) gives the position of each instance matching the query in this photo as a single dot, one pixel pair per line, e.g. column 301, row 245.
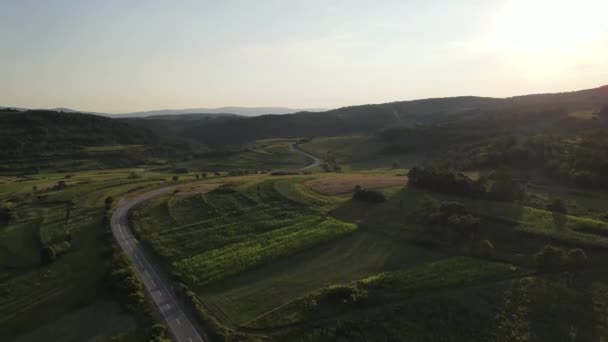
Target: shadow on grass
column 557, row 308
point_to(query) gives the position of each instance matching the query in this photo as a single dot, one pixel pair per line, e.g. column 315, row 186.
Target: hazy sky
column 119, row 55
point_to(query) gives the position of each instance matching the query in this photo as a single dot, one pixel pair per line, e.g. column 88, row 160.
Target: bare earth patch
column 346, row 184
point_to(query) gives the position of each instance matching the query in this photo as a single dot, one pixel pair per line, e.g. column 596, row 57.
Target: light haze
column 120, row 56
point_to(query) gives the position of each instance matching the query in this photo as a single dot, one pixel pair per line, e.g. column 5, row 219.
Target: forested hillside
column 368, row 119
column 35, row 139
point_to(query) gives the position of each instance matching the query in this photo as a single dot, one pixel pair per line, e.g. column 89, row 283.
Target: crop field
column 388, row 287
column 226, row 231
column 346, row 184
column 69, row 220
column 252, row 294
column 263, row 155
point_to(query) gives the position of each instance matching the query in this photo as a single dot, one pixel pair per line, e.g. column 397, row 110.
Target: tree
column 368, row 195
column 550, row 258
column 6, row 215
column 204, row 175
column 396, row 165
column 47, row 255
column 558, row 206
column 577, row 257
column 175, row 178
column 35, row 188
column 61, row 185
column 108, row 202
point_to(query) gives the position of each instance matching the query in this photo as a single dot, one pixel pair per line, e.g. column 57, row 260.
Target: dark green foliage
column 122, row 280
column 47, row 255
column 446, row 181
column 551, row 258
column 6, row 215
column 175, row 178
column 499, row 186
column 366, row 195
column 504, row 187
column 558, row 206
column 158, row 333
column 108, row 202
column 447, row 219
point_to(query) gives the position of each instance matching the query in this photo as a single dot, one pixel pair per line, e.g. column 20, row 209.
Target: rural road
column 160, row 290
column 178, row 323
column 316, row 160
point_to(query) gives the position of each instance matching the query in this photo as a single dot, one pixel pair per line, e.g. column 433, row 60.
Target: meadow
column 63, row 212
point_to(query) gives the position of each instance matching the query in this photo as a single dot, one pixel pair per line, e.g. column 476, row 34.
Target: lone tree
column 550, row 258
column 6, row 215
column 175, row 178
column 47, row 255
column 108, row 202
column 558, row 206
column 368, row 195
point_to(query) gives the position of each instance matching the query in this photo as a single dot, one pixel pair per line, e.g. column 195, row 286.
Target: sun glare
column 548, row 26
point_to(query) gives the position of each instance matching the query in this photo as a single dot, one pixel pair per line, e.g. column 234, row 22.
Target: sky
column 118, row 56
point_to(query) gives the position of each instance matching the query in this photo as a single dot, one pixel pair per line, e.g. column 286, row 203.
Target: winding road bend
column 159, row 288
column 316, row 161
column 179, row 324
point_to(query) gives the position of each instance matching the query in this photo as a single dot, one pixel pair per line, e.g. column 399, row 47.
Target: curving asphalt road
column 316, row 160
column 160, row 290
column 179, row 324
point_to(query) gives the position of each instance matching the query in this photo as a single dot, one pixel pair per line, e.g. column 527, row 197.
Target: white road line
column 178, row 322
column 190, row 339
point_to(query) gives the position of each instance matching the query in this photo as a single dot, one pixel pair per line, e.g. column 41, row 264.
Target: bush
column 577, row 257
column 175, row 178
column 368, row 195
column 108, row 202
column 550, row 258
column 558, row 206
column 47, row 255
column 6, row 215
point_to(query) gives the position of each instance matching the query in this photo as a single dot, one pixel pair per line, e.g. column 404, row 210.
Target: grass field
column 262, row 155
column 264, row 252
column 359, row 153
column 34, row 295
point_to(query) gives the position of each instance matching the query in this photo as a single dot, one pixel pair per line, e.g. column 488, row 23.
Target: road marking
column 178, row 322
column 168, row 306
column 190, row 339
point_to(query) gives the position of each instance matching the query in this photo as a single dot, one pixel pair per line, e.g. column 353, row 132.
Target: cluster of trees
column 551, row 258
column 366, row 195
column 499, row 185
column 581, row 159
column 449, row 219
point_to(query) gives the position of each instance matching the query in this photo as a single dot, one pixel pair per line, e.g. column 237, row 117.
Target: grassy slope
column 263, row 155
column 32, row 295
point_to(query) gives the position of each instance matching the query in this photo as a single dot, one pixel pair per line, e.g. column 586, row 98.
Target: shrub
column 108, row 202
column 6, row 215
column 558, row 206
column 550, row 258
column 175, row 178
column 577, row 257
column 368, row 195
column 47, row 255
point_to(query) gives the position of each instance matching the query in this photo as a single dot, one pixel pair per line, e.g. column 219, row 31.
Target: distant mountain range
column 245, row 111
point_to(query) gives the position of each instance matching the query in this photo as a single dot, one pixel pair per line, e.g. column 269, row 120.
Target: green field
column 67, row 291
